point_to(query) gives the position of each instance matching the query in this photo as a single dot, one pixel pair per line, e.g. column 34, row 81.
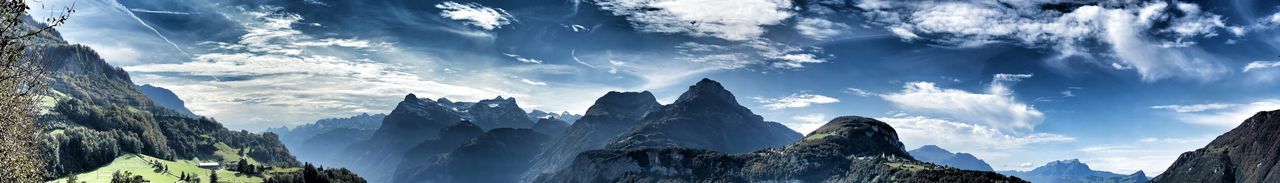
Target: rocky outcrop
column 1248, row 153
column 706, row 117
column 847, row 149
column 937, row 155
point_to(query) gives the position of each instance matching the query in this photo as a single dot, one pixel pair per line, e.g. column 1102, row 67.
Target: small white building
column 209, row 165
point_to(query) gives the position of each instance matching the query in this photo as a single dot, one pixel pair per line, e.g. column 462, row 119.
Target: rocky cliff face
column 611, row 115
column 707, row 117
column 847, row 149
column 937, row 155
column 1248, row 153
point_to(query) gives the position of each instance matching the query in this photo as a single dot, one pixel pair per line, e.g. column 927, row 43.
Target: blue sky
column 1121, row 85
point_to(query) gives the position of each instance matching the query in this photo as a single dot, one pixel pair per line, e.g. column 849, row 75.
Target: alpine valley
column 639, row 91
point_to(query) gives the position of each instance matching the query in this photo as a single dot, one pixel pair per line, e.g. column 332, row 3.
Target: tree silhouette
column 22, row 77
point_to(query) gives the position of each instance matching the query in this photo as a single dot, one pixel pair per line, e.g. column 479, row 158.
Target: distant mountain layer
column 1248, row 153
column 166, row 99
column 535, row 115
column 315, row 142
column 550, row 126
column 937, row 155
column 1073, row 171
column 847, row 149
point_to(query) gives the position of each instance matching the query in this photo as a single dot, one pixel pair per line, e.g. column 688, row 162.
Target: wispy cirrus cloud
column 1154, row 38
column 1224, row 115
column 1194, row 107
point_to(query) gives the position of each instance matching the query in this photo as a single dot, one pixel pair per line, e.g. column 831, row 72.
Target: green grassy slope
column 142, row 165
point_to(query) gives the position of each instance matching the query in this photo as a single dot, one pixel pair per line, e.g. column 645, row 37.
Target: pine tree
column 73, row 179
column 213, row 176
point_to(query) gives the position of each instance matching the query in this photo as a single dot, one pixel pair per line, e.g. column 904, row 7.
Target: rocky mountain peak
column 1070, row 164
column 853, row 136
column 709, row 91
column 499, row 113
column 410, row 97
column 1139, row 174
column 630, row 105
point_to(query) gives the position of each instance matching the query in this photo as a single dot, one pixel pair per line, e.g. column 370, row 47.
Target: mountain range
column 937, row 155
column 847, row 149
column 1072, row 171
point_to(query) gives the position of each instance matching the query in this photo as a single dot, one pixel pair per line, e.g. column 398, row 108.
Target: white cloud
column 964, row 136
column 532, row 82
column 475, row 14
column 1193, row 107
column 859, row 92
column 997, row 108
column 797, row 60
column 736, row 20
column 1133, row 36
column 743, row 54
column 118, row 54
column 523, row 59
column 819, row 29
column 331, row 42
column 136, row 10
column 797, row 100
column 807, row 123
column 904, row 33
column 1257, row 65
column 1221, row 115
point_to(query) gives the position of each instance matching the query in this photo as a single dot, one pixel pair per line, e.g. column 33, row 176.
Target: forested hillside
column 93, row 113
